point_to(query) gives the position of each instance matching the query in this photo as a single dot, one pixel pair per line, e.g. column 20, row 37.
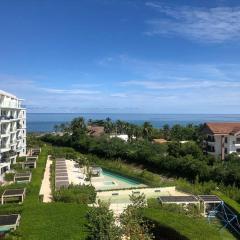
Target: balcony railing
column 6, row 117
column 3, row 146
column 210, row 150
column 4, row 131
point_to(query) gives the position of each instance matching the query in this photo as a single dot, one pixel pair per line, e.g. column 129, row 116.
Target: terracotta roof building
column 95, row 131
column 222, row 138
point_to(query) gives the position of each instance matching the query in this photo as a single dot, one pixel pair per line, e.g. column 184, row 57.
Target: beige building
column 222, row 139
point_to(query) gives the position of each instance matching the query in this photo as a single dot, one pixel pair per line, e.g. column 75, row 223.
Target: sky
column 122, row 56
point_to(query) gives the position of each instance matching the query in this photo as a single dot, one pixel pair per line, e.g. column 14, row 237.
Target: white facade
column 12, row 129
column 221, row 145
column 124, row 137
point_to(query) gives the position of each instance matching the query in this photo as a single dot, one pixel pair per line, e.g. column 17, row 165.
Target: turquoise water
column 44, row 122
column 121, row 178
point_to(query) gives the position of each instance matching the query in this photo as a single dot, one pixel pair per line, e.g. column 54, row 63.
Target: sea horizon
column 44, row 122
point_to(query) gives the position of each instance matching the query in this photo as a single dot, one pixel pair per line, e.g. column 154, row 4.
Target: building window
column 225, row 150
column 226, row 140
column 238, row 150
column 237, row 140
column 210, row 138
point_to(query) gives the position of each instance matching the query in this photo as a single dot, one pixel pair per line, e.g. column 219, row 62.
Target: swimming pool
column 121, row 178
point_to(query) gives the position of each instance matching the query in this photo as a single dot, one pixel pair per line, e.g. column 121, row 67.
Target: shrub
column 9, row 177
column 75, row 194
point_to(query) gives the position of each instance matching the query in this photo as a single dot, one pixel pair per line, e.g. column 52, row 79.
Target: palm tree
column 119, row 126
column 138, row 131
column 78, row 127
column 108, row 126
column 147, row 130
column 56, row 128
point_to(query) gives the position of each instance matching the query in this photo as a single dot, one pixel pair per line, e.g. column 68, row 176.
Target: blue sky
column 122, row 56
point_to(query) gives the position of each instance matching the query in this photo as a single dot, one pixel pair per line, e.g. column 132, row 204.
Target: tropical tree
column 133, row 224
column 56, row 128
column 147, row 130
column 108, row 125
column 101, row 223
column 78, row 127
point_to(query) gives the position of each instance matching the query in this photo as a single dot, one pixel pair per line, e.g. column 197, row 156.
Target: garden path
column 46, row 185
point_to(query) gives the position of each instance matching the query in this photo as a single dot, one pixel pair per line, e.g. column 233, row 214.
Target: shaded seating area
column 9, row 222
column 209, row 202
column 61, row 174
column 13, row 195
column 31, row 158
column 35, row 151
column 96, row 171
column 29, row 164
column 179, row 199
column 23, row 177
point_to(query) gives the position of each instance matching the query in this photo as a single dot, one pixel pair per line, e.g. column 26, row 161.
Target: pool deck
column 119, row 199
column 76, row 175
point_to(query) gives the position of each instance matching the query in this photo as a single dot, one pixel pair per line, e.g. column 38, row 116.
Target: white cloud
column 119, row 95
column 217, row 24
column 189, row 84
column 70, row 91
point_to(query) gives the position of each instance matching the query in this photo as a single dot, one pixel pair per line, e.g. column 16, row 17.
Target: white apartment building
column 12, row 130
column 222, row 139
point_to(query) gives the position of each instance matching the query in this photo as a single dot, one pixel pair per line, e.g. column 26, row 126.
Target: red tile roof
column 223, row 128
column 95, row 131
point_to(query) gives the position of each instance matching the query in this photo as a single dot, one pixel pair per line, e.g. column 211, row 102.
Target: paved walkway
column 46, row 185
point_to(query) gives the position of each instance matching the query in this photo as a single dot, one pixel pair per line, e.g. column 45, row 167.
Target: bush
column 75, row 194
column 21, row 159
column 9, row 177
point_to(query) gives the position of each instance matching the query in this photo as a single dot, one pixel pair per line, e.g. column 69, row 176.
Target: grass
column 233, row 204
column 53, row 221
column 179, row 226
column 43, row 221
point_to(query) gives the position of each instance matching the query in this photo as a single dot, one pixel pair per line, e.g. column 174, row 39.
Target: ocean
column 44, row 122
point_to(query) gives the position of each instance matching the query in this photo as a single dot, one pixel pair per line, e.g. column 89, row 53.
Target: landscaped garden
column 68, row 218
column 46, row 221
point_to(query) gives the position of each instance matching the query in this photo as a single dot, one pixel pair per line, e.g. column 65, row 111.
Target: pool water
column 121, row 178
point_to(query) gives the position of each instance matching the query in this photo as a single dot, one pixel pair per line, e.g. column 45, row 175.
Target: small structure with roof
column 96, row 171
column 209, row 202
column 9, row 222
column 95, row 131
column 178, row 200
column 29, row 164
column 35, row 151
column 13, row 195
column 31, row 158
column 23, row 177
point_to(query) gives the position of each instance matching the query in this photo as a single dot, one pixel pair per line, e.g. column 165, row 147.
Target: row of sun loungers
column 61, row 174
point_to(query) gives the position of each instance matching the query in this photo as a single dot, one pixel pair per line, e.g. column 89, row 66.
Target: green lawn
column 46, row 221
column 179, row 226
column 53, row 221
column 230, row 202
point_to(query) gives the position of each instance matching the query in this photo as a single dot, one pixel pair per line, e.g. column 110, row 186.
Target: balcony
column 4, row 132
column 4, row 148
column 6, row 118
column 210, row 149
